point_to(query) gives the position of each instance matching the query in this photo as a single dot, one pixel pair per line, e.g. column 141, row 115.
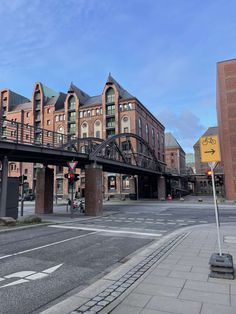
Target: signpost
column 71, row 176
column 210, row 152
column 221, row 264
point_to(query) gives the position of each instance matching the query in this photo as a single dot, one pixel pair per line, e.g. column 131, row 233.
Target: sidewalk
column 169, row 276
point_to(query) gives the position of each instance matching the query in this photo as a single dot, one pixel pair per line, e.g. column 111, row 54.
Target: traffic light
column 209, row 177
column 22, row 179
column 72, row 177
column 219, row 180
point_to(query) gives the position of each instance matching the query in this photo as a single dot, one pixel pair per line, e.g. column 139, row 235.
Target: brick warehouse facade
column 80, row 115
column 226, row 112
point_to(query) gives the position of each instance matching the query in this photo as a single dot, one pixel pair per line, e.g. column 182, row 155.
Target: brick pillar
column 3, row 190
column 161, row 187
column 44, row 191
column 93, row 190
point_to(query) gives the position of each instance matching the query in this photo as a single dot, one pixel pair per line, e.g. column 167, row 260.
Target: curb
column 54, row 223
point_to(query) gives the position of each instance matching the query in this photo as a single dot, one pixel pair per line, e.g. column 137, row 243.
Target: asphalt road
column 43, row 265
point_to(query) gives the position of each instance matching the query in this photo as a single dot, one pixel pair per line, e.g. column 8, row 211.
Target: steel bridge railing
column 19, row 133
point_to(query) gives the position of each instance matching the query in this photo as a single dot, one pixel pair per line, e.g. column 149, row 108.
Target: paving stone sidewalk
column 170, row 276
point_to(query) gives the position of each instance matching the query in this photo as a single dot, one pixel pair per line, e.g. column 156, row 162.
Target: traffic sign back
column 210, row 148
column 72, row 165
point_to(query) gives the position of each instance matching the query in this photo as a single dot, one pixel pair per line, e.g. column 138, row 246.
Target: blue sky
column 163, row 52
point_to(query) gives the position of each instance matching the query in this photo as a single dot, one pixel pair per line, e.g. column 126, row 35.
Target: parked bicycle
column 77, row 206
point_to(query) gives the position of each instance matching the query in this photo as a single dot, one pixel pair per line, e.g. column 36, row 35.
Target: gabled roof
column 57, row 101
column 171, row 142
column 210, row 131
column 48, row 92
column 16, row 99
column 82, row 96
column 94, row 100
column 124, row 94
column 24, row 106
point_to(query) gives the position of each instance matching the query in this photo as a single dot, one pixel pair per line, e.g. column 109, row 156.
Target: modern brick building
column 226, row 112
column 80, row 115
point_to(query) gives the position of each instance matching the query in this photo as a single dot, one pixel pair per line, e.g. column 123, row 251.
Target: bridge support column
column 161, row 187
column 3, row 196
column 93, row 190
column 44, row 191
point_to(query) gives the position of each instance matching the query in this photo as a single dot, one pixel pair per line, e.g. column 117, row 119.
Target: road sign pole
column 216, row 208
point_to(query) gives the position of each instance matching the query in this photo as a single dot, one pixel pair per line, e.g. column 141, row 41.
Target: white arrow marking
column 28, row 275
column 20, row 274
column 14, row 283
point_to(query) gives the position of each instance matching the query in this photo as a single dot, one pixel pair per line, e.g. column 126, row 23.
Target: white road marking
column 191, row 220
column 29, row 275
column 171, row 223
column 47, row 245
column 204, row 221
column 107, row 230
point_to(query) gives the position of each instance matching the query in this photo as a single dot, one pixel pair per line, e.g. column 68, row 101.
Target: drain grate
column 100, row 301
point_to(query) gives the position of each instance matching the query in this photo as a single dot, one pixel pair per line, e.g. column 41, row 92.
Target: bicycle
column 77, row 206
column 209, row 140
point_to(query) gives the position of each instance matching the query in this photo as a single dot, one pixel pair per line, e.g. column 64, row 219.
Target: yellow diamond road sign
column 210, row 148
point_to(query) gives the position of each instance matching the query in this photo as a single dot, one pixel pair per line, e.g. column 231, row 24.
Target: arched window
column 60, row 136
column 84, row 129
column 110, row 95
column 140, row 127
column 97, row 129
column 147, row 133
column 71, row 103
column 125, row 125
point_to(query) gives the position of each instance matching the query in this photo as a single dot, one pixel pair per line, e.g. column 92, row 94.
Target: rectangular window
column 48, row 122
column 27, row 114
column 110, row 123
column 110, row 110
column 84, row 135
column 72, row 116
column 26, row 171
column 81, row 114
column 57, row 118
column 126, row 130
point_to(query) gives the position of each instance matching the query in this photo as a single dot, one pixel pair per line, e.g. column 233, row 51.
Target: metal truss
column 127, row 148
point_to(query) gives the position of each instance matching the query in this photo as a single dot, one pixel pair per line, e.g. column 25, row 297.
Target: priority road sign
column 72, row 165
column 210, row 148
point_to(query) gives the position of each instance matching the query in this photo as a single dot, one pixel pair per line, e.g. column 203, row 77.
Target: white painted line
column 171, row 223
column 106, row 230
column 47, row 245
column 204, row 221
column 191, row 220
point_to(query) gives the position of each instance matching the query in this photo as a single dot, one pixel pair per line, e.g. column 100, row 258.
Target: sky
column 164, row 52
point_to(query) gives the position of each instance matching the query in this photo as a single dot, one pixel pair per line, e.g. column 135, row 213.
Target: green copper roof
column 48, row 92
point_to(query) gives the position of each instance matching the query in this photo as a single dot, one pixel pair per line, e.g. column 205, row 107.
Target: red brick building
column 226, row 112
column 176, row 175
column 80, row 115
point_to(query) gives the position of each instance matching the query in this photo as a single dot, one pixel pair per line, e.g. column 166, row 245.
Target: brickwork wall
column 226, row 111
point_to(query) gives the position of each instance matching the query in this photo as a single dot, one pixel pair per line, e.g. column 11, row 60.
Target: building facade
column 80, row 115
column 176, row 175
column 226, row 113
